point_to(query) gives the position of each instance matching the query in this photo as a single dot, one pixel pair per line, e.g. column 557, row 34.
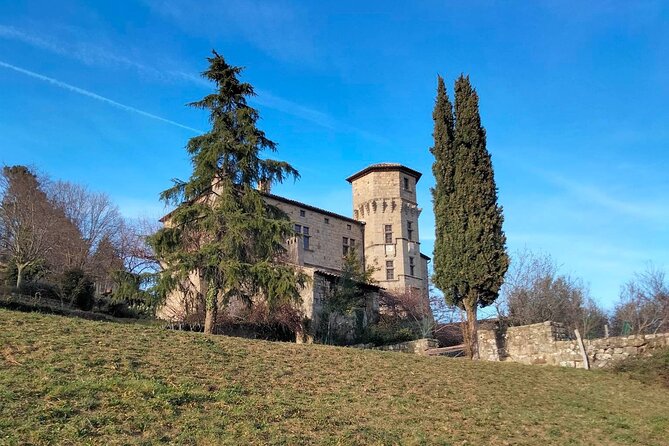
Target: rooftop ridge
column 289, row 201
column 312, row 208
column 385, row 166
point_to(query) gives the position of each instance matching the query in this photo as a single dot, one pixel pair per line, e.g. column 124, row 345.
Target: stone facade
column 550, row 343
column 384, row 198
column 314, row 298
column 325, row 231
column 383, row 194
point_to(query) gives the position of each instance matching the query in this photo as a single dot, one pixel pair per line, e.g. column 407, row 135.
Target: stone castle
column 383, row 233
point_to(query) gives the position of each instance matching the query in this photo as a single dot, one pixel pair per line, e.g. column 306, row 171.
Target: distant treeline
column 61, row 241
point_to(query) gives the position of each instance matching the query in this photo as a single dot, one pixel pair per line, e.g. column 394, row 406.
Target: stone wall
column 550, row 343
column 344, row 327
column 603, row 352
column 418, row 346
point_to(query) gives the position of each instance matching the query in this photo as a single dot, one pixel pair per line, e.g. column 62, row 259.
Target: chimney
column 264, row 186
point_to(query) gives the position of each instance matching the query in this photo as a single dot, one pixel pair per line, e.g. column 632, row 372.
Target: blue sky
column 573, row 96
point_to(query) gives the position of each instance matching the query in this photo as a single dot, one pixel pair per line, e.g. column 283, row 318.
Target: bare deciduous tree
column 411, row 306
column 426, row 315
column 138, row 257
column 535, row 292
column 33, row 230
column 24, row 230
column 592, row 319
column 644, row 304
column 96, row 216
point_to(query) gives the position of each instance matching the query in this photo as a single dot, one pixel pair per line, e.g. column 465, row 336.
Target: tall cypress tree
column 223, row 231
column 470, row 249
column 444, row 171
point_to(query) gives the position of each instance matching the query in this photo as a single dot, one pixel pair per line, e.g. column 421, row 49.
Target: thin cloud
column 9, row 32
column 268, row 100
column 95, row 96
column 81, row 51
column 95, row 55
column 601, row 198
column 274, row 27
column 90, row 54
column 596, row 196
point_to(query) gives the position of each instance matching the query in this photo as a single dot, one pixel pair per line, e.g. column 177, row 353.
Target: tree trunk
column 210, row 304
column 19, row 275
column 210, row 317
column 327, row 334
column 470, row 330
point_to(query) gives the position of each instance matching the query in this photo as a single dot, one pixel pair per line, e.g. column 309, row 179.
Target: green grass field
column 71, row 381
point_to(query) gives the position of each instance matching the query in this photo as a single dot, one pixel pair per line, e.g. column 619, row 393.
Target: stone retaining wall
column 550, row 343
column 418, row 346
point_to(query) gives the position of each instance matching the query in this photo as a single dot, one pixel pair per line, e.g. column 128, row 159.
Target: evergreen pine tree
column 223, row 231
column 470, row 249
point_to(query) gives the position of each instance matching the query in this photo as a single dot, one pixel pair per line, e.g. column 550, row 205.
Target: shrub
column 386, row 332
column 32, row 273
column 78, row 288
column 137, row 291
column 114, row 308
column 653, row 368
column 43, row 290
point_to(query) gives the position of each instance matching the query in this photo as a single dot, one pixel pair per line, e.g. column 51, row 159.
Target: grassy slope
column 652, row 369
column 70, row 381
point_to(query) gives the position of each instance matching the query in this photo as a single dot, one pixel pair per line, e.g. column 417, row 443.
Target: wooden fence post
column 581, row 346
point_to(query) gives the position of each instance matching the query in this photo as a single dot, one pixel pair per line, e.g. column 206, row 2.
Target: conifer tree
column 470, row 247
column 223, row 232
column 443, row 170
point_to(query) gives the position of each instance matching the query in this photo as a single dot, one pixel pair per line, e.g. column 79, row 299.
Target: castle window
column 305, row 237
column 327, row 221
column 390, row 270
column 411, row 266
column 388, row 229
column 348, row 227
column 410, row 230
column 304, row 232
column 302, row 213
column 406, row 183
column 345, row 245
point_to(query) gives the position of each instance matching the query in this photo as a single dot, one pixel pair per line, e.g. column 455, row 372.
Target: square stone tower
column 384, row 198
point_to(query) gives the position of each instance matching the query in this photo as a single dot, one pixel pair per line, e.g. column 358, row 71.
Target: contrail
column 90, row 94
column 94, row 55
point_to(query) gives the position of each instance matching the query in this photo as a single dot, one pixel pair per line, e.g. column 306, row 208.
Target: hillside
column 70, row 381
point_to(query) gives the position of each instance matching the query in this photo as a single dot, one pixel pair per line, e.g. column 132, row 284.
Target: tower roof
column 384, row 167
